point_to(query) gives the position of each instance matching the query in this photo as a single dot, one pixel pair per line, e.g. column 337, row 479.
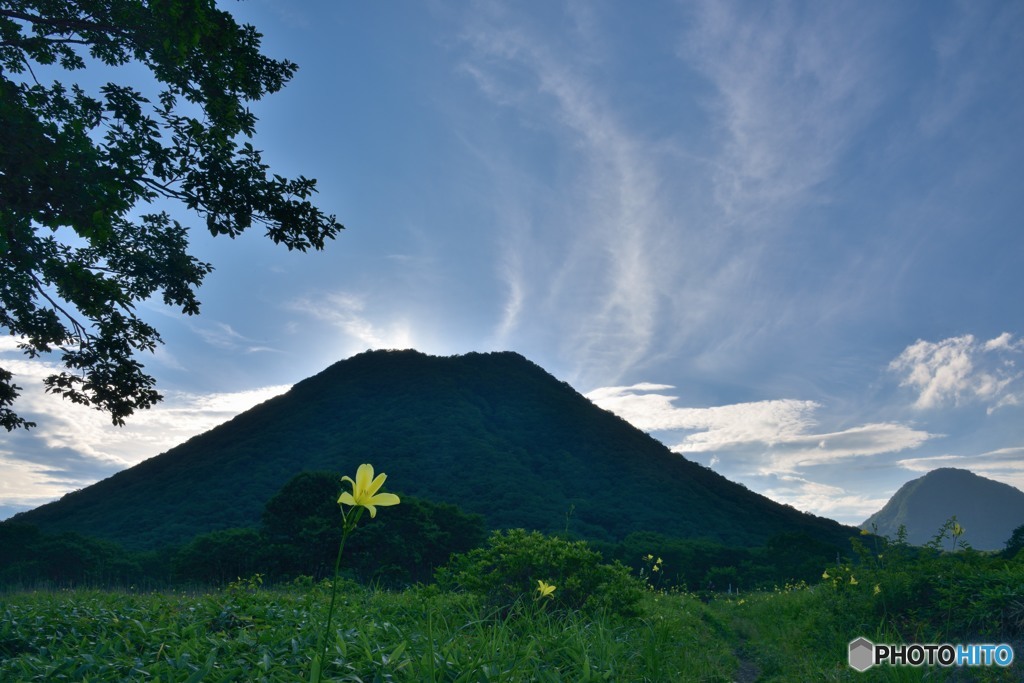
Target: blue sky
column 784, row 238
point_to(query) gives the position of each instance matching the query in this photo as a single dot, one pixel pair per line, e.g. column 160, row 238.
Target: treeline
column 301, row 526
column 700, row 565
column 392, row 551
column 298, row 536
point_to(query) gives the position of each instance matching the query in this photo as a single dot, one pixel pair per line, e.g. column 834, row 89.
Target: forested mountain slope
column 493, row 433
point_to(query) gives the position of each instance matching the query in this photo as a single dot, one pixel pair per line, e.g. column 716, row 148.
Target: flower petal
column 373, row 511
column 375, row 485
column 383, row 499
column 364, row 475
column 346, row 498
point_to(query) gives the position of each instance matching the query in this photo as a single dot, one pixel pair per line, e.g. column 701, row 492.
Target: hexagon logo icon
column 862, row 654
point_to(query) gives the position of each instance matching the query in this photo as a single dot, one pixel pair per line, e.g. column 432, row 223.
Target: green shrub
column 508, row 568
column 944, row 590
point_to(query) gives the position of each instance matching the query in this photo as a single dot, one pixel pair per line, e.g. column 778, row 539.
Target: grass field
column 249, row 633
column 420, row 634
column 529, row 607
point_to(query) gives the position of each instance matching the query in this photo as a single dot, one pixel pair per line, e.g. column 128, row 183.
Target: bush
column 944, row 591
column 508, row 568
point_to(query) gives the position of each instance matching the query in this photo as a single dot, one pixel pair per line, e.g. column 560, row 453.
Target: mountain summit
column 988, row 510
column 493, row 433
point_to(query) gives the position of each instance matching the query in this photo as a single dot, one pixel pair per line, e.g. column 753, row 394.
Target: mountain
column 492, row 433
column 988, row 510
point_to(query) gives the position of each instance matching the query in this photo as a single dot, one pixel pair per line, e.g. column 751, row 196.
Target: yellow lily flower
column 545, row 589
column 853, row 581
column 824, row 574
column 364, row 490
column 878, row 589
column 957, row 530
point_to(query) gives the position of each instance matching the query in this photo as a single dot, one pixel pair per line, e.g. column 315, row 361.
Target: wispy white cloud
column 721, row 427
column 511, row 271
column 778, row 447
column 74, row 446
column 771, row 436
column 823, row 499
column 346, row 312
column 970, row 43
column 791, row 95
column 824, row 448
column 27, row 484
column 179, row 417
column 602, row 292
column 655, row 256
column 223, row 336
column 961, row 369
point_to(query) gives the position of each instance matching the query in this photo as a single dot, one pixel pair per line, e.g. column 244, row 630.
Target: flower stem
column 348, row 526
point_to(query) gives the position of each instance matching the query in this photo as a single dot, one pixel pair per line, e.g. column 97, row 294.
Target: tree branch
column 63, row 41
column 79, row 330
column 68, row 25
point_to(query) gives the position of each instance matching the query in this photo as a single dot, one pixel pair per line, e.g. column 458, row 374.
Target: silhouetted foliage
column 30, row 557
column 78, row 169
column 221, row 556
column 707, row 565
column 1015, row 543
column 299, row 537
column 302, row 525
column 408, row 542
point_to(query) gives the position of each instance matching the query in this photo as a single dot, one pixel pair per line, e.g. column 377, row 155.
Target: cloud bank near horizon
column 784, row 448
column 74, row 446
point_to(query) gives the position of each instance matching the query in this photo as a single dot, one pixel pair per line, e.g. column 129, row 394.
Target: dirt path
column 747, row 672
